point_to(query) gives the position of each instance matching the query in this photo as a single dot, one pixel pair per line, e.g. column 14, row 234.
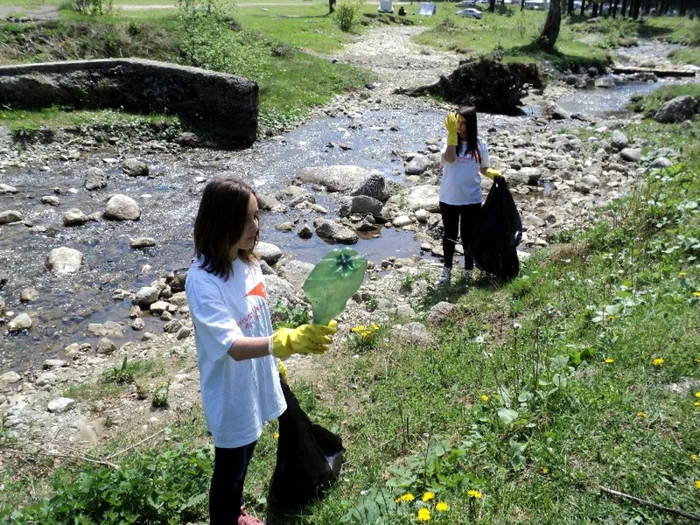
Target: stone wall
column 222, row 107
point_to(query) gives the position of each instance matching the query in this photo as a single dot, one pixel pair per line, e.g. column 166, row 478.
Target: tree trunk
column 583, row 7
column 331, row 6
column 614, row 9
column 570, row 8
column 522, row 5
column 681, row 8
column 492, row 6
column 550, row 32
column 623, row 9
column 594, row 11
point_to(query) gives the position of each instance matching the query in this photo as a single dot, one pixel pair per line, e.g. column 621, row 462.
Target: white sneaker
column 445, row 275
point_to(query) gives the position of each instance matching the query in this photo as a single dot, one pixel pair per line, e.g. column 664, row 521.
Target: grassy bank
column 579, row 374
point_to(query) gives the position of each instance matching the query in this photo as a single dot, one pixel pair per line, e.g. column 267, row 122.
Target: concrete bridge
column 222, row 109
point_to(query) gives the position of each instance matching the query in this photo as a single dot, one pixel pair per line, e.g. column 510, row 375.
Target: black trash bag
column 308, row 457
column 498, row 232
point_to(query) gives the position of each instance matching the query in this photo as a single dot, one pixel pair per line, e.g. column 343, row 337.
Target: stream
column 169, row 198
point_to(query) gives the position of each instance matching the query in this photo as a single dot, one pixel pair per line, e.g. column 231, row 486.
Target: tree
column 492, row 6
column 331, row 6
column 550, row 32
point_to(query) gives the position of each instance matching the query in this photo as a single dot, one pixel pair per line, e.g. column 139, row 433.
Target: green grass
column 649, row 104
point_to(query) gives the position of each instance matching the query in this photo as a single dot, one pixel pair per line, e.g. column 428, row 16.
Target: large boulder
column 677, row 109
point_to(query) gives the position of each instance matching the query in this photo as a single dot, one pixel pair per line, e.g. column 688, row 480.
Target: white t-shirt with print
column 237, row 396
column 461, row 180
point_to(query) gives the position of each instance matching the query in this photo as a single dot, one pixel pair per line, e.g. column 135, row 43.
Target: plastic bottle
column 336, row 277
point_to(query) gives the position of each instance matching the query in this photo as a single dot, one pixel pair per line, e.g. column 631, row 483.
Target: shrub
column 347, row 15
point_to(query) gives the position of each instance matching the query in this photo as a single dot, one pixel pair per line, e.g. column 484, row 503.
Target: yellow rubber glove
column 492, row 173
column 282, row 370
column 306, row 339
column 451, row 126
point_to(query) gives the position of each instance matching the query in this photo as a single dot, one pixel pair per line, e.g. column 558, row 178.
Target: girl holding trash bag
column 236, row 346
column 464, row 159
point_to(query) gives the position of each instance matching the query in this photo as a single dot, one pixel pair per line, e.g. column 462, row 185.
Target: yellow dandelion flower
column 423, row 514
column 681, row 274
column 611, row 318
column 374, row 326
column 545, row 470
column 696, row 294
column 484, row 398
column 358, row 328
column 428, row 496
column 697, row 404
column 697, row 359
column 697, row 484
column 442, row 506
column 694, row 457
column 276, row 435
column 641, row 415
column 406, row 498
column 697, row 394
column 474, row 494
column 658, row 361
column 609, row 360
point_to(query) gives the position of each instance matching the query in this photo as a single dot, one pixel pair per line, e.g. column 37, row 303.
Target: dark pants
column 226, row 492
column 462, row 219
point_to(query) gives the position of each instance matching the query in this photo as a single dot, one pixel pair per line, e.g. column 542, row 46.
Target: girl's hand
column 451, row 126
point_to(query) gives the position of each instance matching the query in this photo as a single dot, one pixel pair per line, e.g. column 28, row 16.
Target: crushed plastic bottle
column 336, row 277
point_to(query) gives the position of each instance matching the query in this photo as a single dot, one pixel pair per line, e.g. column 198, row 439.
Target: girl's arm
column 450, row 154
column 249, row 348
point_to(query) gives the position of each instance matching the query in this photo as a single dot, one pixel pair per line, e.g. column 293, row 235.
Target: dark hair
column 468, row 113
column 220, row 222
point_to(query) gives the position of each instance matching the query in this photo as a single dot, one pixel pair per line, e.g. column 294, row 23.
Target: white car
column 466, row 3
column 470, row 12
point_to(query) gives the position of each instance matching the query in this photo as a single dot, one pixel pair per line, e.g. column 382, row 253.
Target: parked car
column 466, row 3
column 470, row 12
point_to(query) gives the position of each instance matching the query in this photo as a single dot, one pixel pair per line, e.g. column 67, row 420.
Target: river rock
column 677, row 109
column 279, row 291
column 109, row 328
column 619, row 140
column 2, row 306
column 373, row 186
column 10, row 377
column 51, row 200
column 361, row 204
column 54, row 363
column 6, row 217
column 413, row 334
column 135, row 168
column 60, row 405
column 423, row 196
column 64, row 260
column 142, row 242
column 74, row 217
column 28, row 295
column 334, row 178
column 122, row 208
column 95, row 179
column 418, row 165
column 268, row 252
column 146, row 296
column 631, row 154
column 5, row 189
column 661, row 162
column 105, row 347
column 305, row 232
column 331, row 230
column 295, row 272
column 440, row 312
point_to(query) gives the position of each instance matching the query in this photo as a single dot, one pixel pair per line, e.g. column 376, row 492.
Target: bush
column 347, row 15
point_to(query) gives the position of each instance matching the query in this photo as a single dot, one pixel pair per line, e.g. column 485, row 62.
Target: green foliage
column 649, row 104
column 347, row 14
column 159, row 398
column 24, row 132
column 285, row 317
column 365, row 338
column 165, row 486
column 91, row 7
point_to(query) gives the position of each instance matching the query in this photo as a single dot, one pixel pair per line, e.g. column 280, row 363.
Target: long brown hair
column 220, row 222
column 468, row 113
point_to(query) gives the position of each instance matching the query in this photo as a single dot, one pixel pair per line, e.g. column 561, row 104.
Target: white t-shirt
column 461, row 180
column 237, row 396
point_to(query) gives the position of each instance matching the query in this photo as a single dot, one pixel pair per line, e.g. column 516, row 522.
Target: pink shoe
column 247, row 519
